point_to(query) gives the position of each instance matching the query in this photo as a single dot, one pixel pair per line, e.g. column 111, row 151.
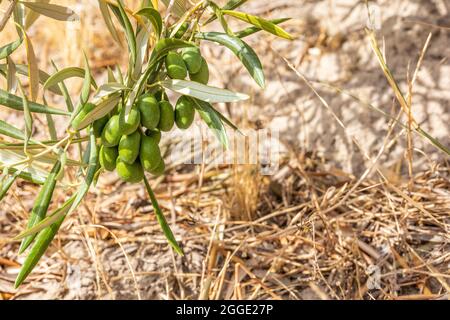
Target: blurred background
column 354, row 211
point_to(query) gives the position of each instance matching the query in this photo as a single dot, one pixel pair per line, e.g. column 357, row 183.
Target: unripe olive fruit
column 193, row 59
column 88, row 107
column 108, row 157
column 149, row 109
column 160, row 168
column 154, row 134
column 99, row 125
column 133, row 121
column 112, row 132
column 149, row 154
column 129, row 147
column 129, row 172
column 167, row 117
column 184, row 112
column 202, row 76
column 176, row 69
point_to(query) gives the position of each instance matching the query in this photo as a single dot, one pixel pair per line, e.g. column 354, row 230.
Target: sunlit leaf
column 242, row 50
column 211, row 118
column 203, row 92
column 7, row 50
column 14, row 102
column 260, row 23
column 53, row 11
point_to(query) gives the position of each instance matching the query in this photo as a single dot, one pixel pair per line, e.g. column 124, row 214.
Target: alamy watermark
column 203, row 145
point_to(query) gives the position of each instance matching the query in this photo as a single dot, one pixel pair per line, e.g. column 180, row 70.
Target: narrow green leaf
column 251, row 30
column 53, row 11
column 11, row 80
column 7, row 50
column 64, row 74
column 154, row 17
column 162, row 220
column 211, row 118
column 230, row 5
column 11, row 131
column 43, row 240
column 41, row 204
column 103, row 108
column 6, row 183
column 203, row 92
column 14, row 102
column 260, row 23
column 22, row 69
column 108, row 21
column 33, row 70
column 131, row 39
column 82, row 190
column 86, row 89
column 27, row 117
column 242, row 50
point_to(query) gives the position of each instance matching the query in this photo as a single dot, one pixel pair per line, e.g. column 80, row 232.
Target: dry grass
column 314, row 230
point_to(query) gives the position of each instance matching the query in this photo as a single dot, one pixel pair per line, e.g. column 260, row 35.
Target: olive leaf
column 108, row 21
column 53, row 11
column 86, row 89
column 154, row 17
column 22, row 69
column 104, row 106
column 14, row 102
column 260, row 23
column 6, row 183
column 64, row 74
column 76, row 199
column 230, row 5
column 11, row 131
column 33, row 173
column 203, row 92
column 242, row 50
column 33, row 70
column 162, row 220
column 211, row 118
column 11, row 80
column 252, row 30
column 7, row 50
column 41, row 204
column 32, row 16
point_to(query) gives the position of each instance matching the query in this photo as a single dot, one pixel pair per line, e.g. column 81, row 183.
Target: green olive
column 193, row 59
column 129, row 147
column 154, row 134
column 130, row 172
column 176, row 69
column 159, row 169
column 111, row 133
column 88, row 107
column 133, row 121
column 108, row 157
column 149, row 109
column 184, row 112
column 167, row 118
column 203, row 75
column 149, row 154
column 99, row 125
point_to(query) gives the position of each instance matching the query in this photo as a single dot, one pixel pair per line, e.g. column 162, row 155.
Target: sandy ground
column 327, row 228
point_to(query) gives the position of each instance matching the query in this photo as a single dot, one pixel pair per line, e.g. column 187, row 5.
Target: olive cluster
column 190, row 61
column 130, row 144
